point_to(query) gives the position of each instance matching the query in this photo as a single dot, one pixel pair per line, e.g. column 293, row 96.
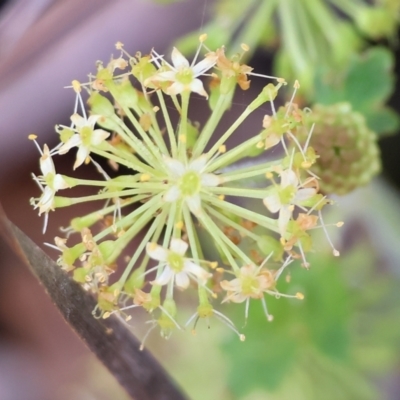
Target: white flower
column 188, row 181
column 85, row 138
column 251, row 282
column 177, row 268
column 52, row 181
column 284, row 197
column 183, row 75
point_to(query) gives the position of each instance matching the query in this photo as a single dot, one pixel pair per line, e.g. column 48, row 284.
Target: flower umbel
column 177, row 189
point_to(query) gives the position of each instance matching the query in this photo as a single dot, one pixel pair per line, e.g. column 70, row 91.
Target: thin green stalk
column 268, row 223
column 223, row 218
column 170, row 129
column 210, row 126
column 241, row 192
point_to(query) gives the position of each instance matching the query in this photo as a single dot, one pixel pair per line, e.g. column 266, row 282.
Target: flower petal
column 272, row 202
column 165, row 277
column 178, row 246
column 182, row 280
column 156, row 252
column 81, row 156
column 98, row 136
column 231, row 286
column 288, row 177
column 92, row 120
column 304, row 194
column 172, row 194
column 78, row 121
column 196, row 86
column 46, row 201
column 178, row 59
column 204, row 65
column 59, row 182
column 46, row 162
column 74, row 140
column 192, row 268
column 175, row 88
column 210, row 180
column 194, row 204
column 285, row 214
column 198, row 164
column 175, row 167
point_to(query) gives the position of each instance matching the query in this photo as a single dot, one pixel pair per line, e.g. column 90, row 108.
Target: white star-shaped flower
column 52, row 182
column 85, row 137
column 188, row 181
column 176, row 267
column 184, row 77
column 251, row 282
column 286, row 196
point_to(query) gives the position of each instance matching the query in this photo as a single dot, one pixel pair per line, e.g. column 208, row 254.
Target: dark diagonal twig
column 137, row 371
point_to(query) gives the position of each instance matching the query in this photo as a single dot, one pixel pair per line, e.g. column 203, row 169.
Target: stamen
column 147, row 334
column 334, row 251
column 225, row 320
column 289, row 106
column 267, row 314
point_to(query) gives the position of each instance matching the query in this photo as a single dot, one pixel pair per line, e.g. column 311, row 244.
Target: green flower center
column 49, row 179
column 175, row 261
column 86, row 134
column 250, row 285
column 190, row 183
column 287, row 194
column 185, row 76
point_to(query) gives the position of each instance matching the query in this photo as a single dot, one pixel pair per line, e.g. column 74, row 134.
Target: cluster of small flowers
column 176, row 188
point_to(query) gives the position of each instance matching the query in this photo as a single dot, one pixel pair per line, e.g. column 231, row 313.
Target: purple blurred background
column 44, row 44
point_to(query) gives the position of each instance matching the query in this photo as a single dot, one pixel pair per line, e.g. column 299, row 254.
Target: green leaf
column 367, row 83
column 263, row 360
column 384, row 120
column 326, row 307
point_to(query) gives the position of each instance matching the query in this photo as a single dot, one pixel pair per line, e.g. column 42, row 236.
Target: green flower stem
column 107, row 184
column 290, row 35
column 170, row 129
column 323, row 18
column 124, row 154
column 182, row 132
column 130, row 218
column 139, row 166
column 193, row 244
column 223, row 101
column 205, row 222
column 223, row 218
column 133, row 141
column 350, row 8
column 157, row 135
column 229, row 132
column 234, row 154
column 216, row 232
column 123, row 184
column 150, row 150
column 308, row 35
column 268, row 223
column 154, row 130
column 203, row 296
column 112, row 195
column 89, row 219
column 170, row 225
column 177, row 232
column 253, row 29
column 153, row 232
column 241, row 192
column 176, row 103
column 249, row 172
column 155, row 291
